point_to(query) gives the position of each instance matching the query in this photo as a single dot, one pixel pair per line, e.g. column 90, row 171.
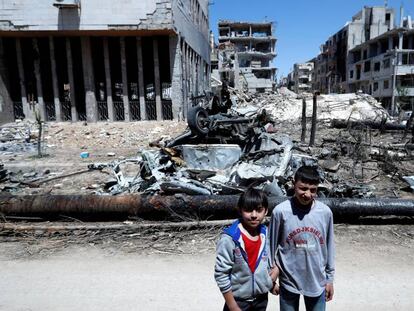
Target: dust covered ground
column 62, row 145
column 156, row 269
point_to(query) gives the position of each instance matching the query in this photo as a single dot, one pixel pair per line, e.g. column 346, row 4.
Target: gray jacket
column 302, row 245
column 232, row 270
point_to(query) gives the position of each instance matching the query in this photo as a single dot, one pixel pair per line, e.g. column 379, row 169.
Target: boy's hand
column 275, row 290
column 329, row 291
column 274, row 273
column 234, row 308
column 231, row 302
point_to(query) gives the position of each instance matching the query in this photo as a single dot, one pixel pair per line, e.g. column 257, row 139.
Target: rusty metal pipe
column 157, row 206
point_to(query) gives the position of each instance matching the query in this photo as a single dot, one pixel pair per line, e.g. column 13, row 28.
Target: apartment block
column 384, row 67
column 331, row 64
column 302, row 77
column 246, row 51
column 98, row 60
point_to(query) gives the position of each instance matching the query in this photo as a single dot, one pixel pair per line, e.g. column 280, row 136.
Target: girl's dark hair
column 252, row 199
column 308, row 174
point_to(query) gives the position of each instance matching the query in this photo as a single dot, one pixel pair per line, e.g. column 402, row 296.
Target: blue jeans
column 290, row 301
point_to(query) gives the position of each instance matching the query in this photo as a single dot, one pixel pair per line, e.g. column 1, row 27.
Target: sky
column 301, row 26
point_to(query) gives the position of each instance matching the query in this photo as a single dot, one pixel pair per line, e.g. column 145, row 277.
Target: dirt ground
column 154, row 270
column 64, row 142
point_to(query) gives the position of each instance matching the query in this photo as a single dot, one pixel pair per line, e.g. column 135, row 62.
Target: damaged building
column 370, row 55
column 246, row 52
column 383, row 67
column 331, row 64
column 75, row 60
column 302, row 77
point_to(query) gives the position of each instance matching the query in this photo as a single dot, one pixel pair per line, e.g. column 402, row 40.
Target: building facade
column 302, row 78
column 246, row 51
column 384, row 67
column 331, row 63
column 103, row 60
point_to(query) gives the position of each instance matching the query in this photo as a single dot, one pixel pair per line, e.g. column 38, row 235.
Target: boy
column 242, row 270
column 302, row 245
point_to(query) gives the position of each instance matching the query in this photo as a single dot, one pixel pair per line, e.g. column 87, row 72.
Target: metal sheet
column 211, row 157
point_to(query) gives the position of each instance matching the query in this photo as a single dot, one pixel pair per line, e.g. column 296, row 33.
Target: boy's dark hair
column 308, row 174
column 252, row 199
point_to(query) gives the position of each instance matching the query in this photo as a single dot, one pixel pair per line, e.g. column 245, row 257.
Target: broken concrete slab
column 330, row 165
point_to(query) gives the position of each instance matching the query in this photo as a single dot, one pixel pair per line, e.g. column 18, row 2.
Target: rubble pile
column 285, row 106
column 263, row 157
column 18, row 138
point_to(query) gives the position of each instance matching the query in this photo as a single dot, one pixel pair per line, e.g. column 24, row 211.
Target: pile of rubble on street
column 257, row 141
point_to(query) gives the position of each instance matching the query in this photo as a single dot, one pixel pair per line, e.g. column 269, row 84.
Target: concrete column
column 177, row 77
column 411, row 42
column 200, row 74
column 39, row 90
column 208, row 76
column 108, row 81
column 400, row 40
column 204, row 74
column 89, row 81
column 71, row 78
column 390, row 43
column 173, row 47
column 58, row 108
column 187, row 72
column 196, row 75
column 6, row 104
column 26, row 108
column 188, row 77
column 142, row 107
column 157, row 82
column 187, row 86
column 125, row 98
column 191, row 71
column 184, row 83
column 236, row 72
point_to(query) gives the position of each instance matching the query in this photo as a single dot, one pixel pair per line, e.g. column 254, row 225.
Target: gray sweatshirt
column 302, row 245
column 232, row 270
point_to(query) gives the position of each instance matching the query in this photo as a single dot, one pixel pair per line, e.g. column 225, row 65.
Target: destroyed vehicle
column 236, row 126
column 218, row 154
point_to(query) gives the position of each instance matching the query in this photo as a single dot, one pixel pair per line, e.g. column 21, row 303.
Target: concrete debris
column 329, row 165
column 17, row 139
column 410, row 181
column 285, row 105
column 3, row 173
